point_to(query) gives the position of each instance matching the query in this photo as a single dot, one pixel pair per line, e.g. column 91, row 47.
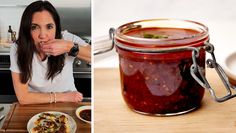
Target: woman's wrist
column 59, row 97
column 53, row 97
column 69, row 46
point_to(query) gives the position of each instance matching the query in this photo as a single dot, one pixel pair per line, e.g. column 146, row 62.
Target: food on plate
column 51, row 123
column 86, row 114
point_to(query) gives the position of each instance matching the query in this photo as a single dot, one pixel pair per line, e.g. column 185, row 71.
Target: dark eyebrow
column 34, row 24
column 50, row 24
column 46, row 24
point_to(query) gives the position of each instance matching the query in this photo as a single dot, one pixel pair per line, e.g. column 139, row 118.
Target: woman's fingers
column 54, row 47
column 46, row 48
column 78, row 97
column 74, row 96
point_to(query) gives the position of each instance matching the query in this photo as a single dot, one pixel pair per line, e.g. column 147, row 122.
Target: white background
column 218, row 15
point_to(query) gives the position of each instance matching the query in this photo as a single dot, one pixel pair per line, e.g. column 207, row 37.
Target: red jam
column 160, row 83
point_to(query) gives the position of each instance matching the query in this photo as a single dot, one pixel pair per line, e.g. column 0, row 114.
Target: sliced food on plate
column 51, row 122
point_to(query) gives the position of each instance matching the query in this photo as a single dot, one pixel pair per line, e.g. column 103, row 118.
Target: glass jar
column 162, row 65
column 154, row 70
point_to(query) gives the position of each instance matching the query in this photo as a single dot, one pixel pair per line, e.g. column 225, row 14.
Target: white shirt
column 63, row 82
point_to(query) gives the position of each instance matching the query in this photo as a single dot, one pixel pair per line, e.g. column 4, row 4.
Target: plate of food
column 50, row 122
column 84, row 113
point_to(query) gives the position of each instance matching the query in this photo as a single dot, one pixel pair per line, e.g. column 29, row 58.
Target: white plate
column 71, row 121
column 81, row 108
column 230, row 66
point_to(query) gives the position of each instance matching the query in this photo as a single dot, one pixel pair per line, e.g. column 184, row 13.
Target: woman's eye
column 50, row 26
column 33, row 27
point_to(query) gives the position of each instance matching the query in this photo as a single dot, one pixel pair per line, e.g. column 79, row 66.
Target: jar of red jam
column 162, row 65
column 155, row 82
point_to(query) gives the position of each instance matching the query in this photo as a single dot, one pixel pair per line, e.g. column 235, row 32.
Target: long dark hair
column 26, row 46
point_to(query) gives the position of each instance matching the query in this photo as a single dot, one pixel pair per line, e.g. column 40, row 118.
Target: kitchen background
column 218, row 15
column 75, row 17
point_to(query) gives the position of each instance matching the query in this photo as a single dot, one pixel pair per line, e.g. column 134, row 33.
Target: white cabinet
column 12, row 3
column 71, row 3
column 56, row 3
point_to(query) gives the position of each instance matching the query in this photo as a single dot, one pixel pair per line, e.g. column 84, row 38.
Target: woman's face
column 43, row 27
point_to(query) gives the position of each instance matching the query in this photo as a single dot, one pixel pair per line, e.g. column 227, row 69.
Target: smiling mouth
column 40, row 45
column 42, row 42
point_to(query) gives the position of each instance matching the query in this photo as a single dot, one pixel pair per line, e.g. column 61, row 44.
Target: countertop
column 7, row 107
column 4, row 48
column 111, row 114
column 4, row 112
column 19, row 115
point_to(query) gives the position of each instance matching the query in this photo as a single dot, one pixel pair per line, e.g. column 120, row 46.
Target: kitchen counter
column 7, row 107
column 18, row 116
column 4, row 112
column 111, row 114
column 4, row 48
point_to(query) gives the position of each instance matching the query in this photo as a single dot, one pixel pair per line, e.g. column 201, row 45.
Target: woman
column 42, row 62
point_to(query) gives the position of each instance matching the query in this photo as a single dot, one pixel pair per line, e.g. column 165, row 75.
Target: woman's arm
column 58, row 46
column 85, row 53
column 26, row 97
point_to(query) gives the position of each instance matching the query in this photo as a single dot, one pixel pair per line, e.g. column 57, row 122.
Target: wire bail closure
column 211, row 63
column 111, row 37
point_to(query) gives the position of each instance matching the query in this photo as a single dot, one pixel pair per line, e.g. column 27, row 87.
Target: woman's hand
column 70, row 96
column 56, row 47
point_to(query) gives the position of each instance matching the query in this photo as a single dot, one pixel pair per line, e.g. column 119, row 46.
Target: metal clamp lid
column 211, row 63
column 111, row 36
